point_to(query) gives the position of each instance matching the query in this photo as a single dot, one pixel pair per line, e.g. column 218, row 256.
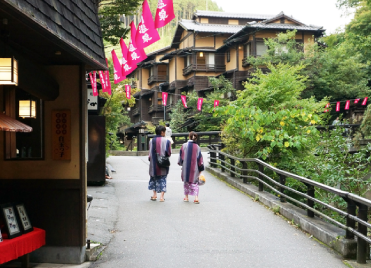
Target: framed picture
column 9, row 215
column 25, row 223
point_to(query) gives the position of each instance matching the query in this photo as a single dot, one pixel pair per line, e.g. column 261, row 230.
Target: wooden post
column 261, row 185
column 362, row 244
column 244, row 166
column 283, row 182
column 232, row 167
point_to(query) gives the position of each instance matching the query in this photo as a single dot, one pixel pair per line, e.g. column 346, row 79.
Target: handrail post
column 232, row 167
column 261, row 185
column 212, row 159
column 362, row 244
column 351, row 210
column 244, row 173
column 310, row 203
column 283, row 182
column 222, row 158
column 173, row 145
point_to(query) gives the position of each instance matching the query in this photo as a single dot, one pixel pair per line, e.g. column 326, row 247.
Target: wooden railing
column 158, row 108
column 157, row 78
column 136, row 111
column 204, row 68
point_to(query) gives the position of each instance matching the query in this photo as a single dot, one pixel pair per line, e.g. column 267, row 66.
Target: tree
column 109, row 12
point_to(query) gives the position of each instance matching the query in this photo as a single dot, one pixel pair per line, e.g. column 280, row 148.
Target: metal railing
column 229, row 163
column 206, row 137
column 204, row 67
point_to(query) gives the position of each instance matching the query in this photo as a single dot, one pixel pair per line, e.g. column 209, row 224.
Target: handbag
column 162, row 161
column 201, row 180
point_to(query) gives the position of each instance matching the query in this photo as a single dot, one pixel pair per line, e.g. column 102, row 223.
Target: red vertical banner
column 216, row 103
column 126, row 69
column 347, row 104
column 117, row 70
column 128, row 91
column 199, row 103
column 136, row 53
column 338, row 106
column 184, row 100
column 108, row 80
column 164, row 98
column 103, row 81
column 164, row 13
column 364, row 101
column 147, row 33
column 93, row 83
column 326, row 108
column 356, row 100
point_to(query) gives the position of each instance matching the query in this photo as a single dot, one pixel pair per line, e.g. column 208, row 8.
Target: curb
column 325, row 232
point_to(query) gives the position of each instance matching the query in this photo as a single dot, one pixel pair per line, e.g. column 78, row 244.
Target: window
column 21, row 145
column 159, row 98
column 162, row 70
column 247, row 50
column 201, row 58
column 228, row 56
column 210, row 59
column 261, row 48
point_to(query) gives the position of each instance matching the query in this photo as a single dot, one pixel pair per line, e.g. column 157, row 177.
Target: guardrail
column 229, row 163
column 180, row 138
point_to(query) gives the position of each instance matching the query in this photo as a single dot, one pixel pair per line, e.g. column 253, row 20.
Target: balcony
column 136, row 111
column 204, row 68
column 157, row 78
column 158, row 108
column 169, row 107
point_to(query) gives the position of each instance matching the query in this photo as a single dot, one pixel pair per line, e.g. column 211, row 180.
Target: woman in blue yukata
column 190, row 158
column 162, row 146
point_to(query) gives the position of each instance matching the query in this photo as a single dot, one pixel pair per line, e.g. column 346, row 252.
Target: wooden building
column 54, row 43
column 211, row 44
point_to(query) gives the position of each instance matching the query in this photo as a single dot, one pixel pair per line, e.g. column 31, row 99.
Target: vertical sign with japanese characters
column 61, row 133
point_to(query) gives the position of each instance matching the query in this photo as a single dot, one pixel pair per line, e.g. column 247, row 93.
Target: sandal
column 185, row 200
column 196, row 202
column 153, row 199
column 162, row 200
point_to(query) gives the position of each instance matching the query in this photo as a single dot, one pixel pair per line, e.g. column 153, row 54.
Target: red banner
column 356, row 100
column 147, row 33
column 326, row 110
column 117, row 74
column 93, row 82
column 103, row 81
column 108, row 80
column 164, row 98
column 347, row 104
column 164, row 13
column 216, row 103
column 199, row 103
column 338, row 106
column 184, row 100
column 364, row 101
column 128, row 91
column 126, row 69
column 136, row 53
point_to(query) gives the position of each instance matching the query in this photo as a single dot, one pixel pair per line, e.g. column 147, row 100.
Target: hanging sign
column 184, row 100
column 164, row 13
column 103, row 81
column 147, row 33
column 164, row 98
column 338, row 106
column 136, row 53
column 93, row 83
column 126, row 69
column 118, row 77
column 364, row 101
column 347, row 104
column 216, row 103
column 92, row 101
column 199, row 103
column 326, row 110
column 61, row 135
column 108, row 80
column 356, row 100
column 128, row 91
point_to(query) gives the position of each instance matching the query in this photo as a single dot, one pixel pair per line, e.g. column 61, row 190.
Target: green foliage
column 109, row 12
column 269, row 119
column 337, row 72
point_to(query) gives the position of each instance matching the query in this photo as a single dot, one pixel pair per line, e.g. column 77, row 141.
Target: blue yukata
column 191, row 160
column 157, row 181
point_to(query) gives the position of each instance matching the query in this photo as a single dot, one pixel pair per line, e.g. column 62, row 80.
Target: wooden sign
column 61, row 135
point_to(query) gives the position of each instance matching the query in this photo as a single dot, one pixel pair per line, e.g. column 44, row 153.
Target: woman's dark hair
column 167, row 124
column 160, row 129
column 193, row 136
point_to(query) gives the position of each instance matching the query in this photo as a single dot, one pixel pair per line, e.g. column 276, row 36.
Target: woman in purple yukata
column 190, row 158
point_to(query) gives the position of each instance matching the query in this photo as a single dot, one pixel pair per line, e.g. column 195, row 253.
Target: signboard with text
column 61, row 135
column 92, row 101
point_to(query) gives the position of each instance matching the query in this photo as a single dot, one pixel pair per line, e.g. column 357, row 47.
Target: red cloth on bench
column 11, row 249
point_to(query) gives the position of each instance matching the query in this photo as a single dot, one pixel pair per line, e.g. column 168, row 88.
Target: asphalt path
column 227, row 228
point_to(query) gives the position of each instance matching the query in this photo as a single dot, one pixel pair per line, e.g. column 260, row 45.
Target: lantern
column 8, row 71
column 27, row 109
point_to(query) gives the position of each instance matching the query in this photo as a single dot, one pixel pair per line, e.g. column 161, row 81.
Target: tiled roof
column 220, row 14
column 210, row 28
column 75, row 22
column 280, row 26
column 158, row 51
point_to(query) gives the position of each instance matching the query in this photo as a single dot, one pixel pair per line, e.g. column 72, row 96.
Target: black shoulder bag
column 162, row 161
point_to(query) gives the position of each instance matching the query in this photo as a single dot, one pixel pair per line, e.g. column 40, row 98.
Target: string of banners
column 146, row 35
column 347, row 104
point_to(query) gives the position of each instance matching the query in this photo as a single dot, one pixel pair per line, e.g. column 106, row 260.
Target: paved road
column 227, row 229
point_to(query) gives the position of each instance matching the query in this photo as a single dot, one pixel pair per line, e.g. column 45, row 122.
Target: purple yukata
column 190, row 158
column 158, row 174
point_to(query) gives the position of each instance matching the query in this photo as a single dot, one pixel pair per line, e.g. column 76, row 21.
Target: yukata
column 157, row 181
column 190, row 158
